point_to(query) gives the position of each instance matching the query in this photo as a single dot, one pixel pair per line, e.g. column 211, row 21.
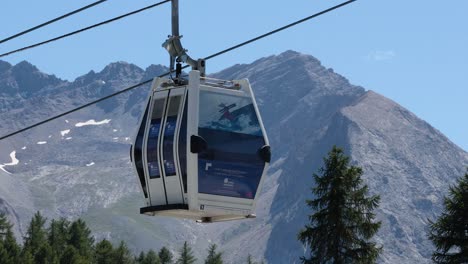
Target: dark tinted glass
column 138, row 152
column 152, row 145
column 169, row 131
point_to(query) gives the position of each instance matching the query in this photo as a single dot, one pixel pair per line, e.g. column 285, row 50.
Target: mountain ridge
column 306, row 108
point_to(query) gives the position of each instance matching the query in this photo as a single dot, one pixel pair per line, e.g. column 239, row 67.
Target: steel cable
column 186, row 66
column 52, row 21
column 83, row 29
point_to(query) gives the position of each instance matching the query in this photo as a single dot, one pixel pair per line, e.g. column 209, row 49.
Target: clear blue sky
column 414, row 52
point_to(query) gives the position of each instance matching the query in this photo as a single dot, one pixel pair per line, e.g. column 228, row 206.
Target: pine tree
column 449, row 233
column 26, row 257
column 12, row 247
column 45, row 255
column 186, row 255
column 104, row 252
column 151, row 258
column 165, row 256
column 36, row 237
column 10, row 250
column 140, row 257
column 122, row 254
column 80, row 238
column 4, row 225
column 213, row 256
column 250, row 260
column 72, row 256
column 58, row 236
column 343, row 220
column 4, row 256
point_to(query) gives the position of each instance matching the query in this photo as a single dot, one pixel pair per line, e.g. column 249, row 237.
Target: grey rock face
column 407, row 162
column 84, row 171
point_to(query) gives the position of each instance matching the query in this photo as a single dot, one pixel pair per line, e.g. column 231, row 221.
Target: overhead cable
column 52, row 21
column 167, row 73
column 280, row 29
column 76, row 109
column 84, row 29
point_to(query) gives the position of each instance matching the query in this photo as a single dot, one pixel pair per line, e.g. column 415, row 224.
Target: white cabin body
column 201, row 151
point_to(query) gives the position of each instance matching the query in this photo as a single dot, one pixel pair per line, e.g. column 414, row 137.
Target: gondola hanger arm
column 174, row 46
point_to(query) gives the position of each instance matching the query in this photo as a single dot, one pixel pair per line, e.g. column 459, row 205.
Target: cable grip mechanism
column 174, row 46
column 178, row 54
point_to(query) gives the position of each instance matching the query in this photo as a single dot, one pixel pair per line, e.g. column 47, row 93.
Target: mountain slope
column 78, row 166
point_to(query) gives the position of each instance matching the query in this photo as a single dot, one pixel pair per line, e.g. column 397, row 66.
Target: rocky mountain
column 78, row 166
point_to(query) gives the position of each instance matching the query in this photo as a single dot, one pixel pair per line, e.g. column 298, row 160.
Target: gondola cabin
column 201, row 151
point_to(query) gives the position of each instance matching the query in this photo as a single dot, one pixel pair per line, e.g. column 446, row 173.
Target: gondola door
column 163, row 168
column 169, row 152
column 151, row 154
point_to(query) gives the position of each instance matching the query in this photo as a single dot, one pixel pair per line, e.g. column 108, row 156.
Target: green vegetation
column 10, row 251
column 449, row 233
column 343, row 220
column 65, row 242
column 104, row 252
column 250, row 260
column 340, row 230
column 214, row 257
column 186, row 255
column 165, row 256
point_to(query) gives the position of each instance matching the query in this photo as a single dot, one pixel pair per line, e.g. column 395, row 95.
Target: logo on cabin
column 228, row 183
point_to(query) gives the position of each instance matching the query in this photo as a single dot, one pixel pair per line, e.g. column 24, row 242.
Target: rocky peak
column 24, row 66
column 301, row 74
column 4, row 66
column 85, row 79
column 154, row 70
column 306, row 108
column 120, row 70
column 25, row 79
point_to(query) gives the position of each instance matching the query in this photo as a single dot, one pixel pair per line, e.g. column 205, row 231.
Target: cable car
column 201, row 151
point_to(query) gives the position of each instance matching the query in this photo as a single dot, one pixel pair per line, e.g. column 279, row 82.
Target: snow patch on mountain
column 92, row 122
column 306, row 108
column 64, row 132
column 14, row 161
